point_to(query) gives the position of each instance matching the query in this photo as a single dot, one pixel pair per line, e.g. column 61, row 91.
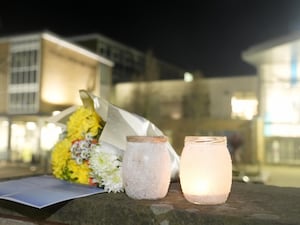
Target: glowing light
column 205, row 170
column 244, row 108
column 176, row 115
column 49, row 136
column 200, row 187
column 31, row 125
column 4, row 135
column 188, row 77
column 246, row 179
column 282, row 107
column 18, row 130
column 54, row 113
column 282, row 130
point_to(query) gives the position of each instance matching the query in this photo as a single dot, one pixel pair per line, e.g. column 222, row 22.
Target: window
column 243, row 106
column 3, row 137
column 23, row 84
column 282, row 150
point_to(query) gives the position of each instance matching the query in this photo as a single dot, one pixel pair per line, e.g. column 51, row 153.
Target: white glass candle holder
column 146, row 167
column 205, row 170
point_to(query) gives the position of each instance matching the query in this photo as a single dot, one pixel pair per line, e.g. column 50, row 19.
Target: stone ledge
column 247, row 204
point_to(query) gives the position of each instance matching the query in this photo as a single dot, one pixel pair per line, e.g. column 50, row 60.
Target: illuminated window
column 282, row 150
column 23, row 83
column 243, row 106
column 3, row 138
column 24, row 141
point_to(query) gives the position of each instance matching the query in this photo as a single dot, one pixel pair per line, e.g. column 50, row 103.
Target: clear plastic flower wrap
column 91, row 148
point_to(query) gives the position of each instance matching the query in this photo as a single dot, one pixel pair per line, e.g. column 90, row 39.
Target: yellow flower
column 60, row 154
column 84, row 121
column 80, row 172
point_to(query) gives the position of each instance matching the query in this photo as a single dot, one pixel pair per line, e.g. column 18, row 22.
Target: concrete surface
column 248, row 204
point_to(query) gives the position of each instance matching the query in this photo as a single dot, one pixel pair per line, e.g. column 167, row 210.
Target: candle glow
column 206, row 171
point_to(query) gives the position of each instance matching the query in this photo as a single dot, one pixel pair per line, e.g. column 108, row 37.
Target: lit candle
column 205, row 170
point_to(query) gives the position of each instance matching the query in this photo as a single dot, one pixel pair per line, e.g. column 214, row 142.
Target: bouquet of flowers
column 90, row 149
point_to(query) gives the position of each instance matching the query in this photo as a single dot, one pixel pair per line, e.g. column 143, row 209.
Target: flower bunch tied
column 79, row 157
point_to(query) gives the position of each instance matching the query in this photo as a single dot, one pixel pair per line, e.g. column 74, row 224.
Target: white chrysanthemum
column 113, row 182
column 106, row 168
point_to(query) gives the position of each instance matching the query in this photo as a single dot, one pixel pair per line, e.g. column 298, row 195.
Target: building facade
column 130, row 64
column 278, row 73
column 205, row 106
column 277, row 64
column 41, row 74
column 260, row 114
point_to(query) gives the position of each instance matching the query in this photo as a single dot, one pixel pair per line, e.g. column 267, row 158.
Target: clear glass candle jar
column 205, row 170
column 146, row 167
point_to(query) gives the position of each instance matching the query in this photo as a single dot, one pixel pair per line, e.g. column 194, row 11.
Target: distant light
column 246, row 179
column 31, row 125
column 54, row 113
column 176, row 115
column 245, row 108
column 188, row 77
column 49, row 135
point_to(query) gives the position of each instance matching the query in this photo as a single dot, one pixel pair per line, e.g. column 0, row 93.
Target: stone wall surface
column 247, row 204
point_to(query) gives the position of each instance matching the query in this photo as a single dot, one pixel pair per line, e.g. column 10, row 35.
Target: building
column 264, row 109
column 229, row 107
column 277, row 63
column 260, row 114
column 205, row 106
column 40, row 74
column 130, row 64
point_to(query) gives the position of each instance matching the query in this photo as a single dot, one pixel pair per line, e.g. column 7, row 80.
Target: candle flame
column 201, row 187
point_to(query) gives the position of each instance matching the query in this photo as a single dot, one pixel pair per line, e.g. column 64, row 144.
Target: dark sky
column 206, row 35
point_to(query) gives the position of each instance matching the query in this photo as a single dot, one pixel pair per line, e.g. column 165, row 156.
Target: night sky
column 197, row 35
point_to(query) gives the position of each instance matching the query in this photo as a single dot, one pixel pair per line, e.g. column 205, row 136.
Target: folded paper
column 43, row 191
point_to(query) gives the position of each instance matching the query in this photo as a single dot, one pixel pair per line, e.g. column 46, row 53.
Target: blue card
column 42, row 191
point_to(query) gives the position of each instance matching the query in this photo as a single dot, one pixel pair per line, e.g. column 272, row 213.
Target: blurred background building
column 40, row 75
column 278, row 72
column 204, row 106
column 259, row 113
column 130, row 64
